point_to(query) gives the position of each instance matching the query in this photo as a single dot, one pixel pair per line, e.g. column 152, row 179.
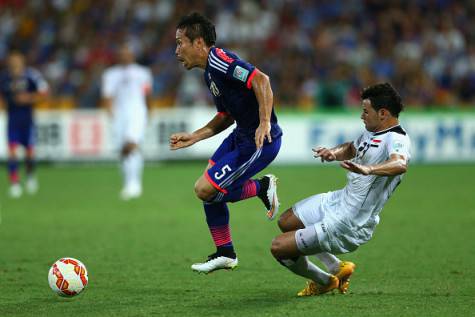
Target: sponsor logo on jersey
column 240, row 73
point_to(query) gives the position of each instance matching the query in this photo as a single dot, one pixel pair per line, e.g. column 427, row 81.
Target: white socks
column 132, row 167
column 331, row 262
column 305, row 268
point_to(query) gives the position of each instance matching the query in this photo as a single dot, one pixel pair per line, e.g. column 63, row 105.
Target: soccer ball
column 67, row 277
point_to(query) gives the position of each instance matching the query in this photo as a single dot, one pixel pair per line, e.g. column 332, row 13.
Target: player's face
column 370, row 117
column 16, row 65
column 185, row 51
column 125, row 55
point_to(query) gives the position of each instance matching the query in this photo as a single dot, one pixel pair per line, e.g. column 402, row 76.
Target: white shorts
column 129, row 129
column 322, row 233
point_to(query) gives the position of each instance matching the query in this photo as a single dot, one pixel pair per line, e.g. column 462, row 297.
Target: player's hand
column 181, row 140
column 324, row 154
column 355, row 167
column 262, row 132
column 23, row 98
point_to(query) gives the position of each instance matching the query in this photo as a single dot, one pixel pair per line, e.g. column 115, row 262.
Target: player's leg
column 232, row 174
column 226, row 179
column 306, row 212
column 208, row 187
column 13, row 163
column 31, row 180
column 132, row 165
column 341, row 269
column 284, row 247
column 15, row 190
column 331, row 262
column 217, row 218
column 290, row 249
column 30, row 164
column 204, row 189
column 300, row 238
column 13, row 136
column 119, row 127
column 288, row 221
column 132, row 159
column 265, row 188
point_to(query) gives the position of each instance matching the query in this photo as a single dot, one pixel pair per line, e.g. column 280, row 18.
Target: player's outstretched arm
column 28, row 98
column 265, row 98
column 397, row 164
column 219, row 123
column 341, row 152
column 106, row 104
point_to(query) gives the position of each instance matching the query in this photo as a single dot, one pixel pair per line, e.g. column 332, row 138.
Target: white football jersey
column 363, row 197
column 128, row 86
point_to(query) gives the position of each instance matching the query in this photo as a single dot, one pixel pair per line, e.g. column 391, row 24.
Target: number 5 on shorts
column 224, row 169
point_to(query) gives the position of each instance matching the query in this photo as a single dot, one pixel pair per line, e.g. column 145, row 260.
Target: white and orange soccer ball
column 67, row 277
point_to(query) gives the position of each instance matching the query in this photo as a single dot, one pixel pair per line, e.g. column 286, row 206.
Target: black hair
column 197, row 25
column 383, row 96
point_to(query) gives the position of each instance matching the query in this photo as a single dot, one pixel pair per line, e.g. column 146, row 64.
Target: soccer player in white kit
column 340, row 221
column 125, row 91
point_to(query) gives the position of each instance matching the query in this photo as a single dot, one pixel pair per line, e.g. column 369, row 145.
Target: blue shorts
column 237, row 159
column 24, row 134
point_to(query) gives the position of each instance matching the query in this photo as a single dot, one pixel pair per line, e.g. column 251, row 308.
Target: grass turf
column 138, row 254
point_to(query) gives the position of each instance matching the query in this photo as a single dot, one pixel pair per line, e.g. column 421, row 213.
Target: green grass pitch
column 420, row 262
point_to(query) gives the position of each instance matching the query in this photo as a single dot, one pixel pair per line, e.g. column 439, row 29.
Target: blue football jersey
column 230, row 81
column 30, row 81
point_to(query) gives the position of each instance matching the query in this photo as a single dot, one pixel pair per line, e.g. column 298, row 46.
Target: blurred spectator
column 318, row 53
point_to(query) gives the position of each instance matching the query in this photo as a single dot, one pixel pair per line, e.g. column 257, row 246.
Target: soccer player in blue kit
column 242, row 95
column 21, row 87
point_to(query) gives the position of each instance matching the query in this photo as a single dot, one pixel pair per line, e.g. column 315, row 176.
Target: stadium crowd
column 317, row 53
